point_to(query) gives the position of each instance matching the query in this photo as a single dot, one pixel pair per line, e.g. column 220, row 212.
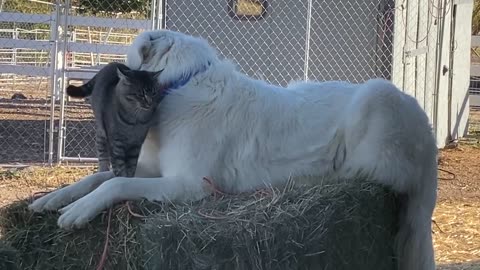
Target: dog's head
column 180, row 56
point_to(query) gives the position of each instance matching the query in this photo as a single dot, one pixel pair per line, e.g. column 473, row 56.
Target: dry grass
column 20, row 183
column 459, row 238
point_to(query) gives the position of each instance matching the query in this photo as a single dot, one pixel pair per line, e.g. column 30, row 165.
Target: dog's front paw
column 80, row 212
column 70, row 193
column 83, row 210
column 52, row 201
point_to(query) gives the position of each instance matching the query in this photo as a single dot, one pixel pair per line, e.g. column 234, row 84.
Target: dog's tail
column 413, row 243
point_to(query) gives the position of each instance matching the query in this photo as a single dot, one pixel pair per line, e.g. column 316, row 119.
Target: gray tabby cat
column 124, row 103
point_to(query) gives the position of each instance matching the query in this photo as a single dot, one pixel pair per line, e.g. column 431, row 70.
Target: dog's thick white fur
column 247, row 134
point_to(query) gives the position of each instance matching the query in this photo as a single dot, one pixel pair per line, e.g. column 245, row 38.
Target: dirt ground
column 457, row 216
column 456, row 219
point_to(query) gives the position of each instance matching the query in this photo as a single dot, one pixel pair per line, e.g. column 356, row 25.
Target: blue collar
column 186, row 78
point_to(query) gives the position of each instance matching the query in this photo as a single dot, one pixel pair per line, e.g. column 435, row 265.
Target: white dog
column 246, row 134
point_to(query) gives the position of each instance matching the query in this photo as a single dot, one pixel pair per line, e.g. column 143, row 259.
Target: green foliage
column 476, row 18
column 88, row 7
column 25, row 6
column 107, row 6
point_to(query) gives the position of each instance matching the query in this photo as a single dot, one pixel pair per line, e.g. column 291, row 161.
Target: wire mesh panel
column 98, row 32
column 25, row 34
column 350, row 40
column 359, row 40
column 266, row 39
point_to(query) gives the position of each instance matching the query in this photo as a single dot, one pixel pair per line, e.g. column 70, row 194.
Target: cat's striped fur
column 124, row 102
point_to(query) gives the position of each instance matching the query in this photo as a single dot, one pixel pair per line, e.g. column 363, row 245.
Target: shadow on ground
column 460, row 266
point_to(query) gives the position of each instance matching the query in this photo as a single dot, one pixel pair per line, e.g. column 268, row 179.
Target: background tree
column 476, row 18
column 87, row 7
column 95, row 7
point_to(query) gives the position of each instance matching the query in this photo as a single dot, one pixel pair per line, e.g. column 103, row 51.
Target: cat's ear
column 156, row 74
column 122, row 76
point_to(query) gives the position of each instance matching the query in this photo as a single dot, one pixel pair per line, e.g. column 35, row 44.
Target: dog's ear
column 145, row 49
column 138, row 51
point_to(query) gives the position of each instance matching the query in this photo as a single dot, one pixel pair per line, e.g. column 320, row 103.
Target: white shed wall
column 458, row 41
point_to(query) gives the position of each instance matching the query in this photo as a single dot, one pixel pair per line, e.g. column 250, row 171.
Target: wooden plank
column 75, row 20
column 80, row 75
column 97, row 48
column 430, row 67
column 463, row 2
column 398, row 45
column 25, row 70
column 24, row 44
column 107, row 22
column 25, row 17
column 411, row 21
column 421, row 53
column 45, row 71
column 84, row 73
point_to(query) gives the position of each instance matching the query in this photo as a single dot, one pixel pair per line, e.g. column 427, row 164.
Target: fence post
column 158, row 21
column 153, row 10
column 53, row 78
column 440, row 34
column 307, row 39
column 61, row 125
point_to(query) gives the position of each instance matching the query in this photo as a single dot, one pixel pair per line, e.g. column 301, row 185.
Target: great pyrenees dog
column 246, row 134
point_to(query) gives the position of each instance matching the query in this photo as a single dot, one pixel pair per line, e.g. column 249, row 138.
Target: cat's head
column 140, row 88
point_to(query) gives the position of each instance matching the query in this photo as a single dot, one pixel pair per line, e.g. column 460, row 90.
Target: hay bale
column 342, row 226
column 8, row 257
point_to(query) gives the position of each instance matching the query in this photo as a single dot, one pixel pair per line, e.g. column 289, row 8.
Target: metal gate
column 88, row 43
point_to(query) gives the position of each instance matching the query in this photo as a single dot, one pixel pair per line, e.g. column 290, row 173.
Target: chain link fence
column 277, row 41
column 44, row 46
column 24, row 80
